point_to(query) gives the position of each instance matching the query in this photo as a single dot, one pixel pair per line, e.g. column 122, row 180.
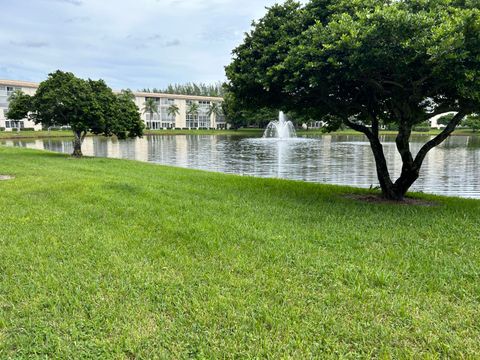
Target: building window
column 204, row 121
column 14, row 124
column 11, row 89
column 192, row 121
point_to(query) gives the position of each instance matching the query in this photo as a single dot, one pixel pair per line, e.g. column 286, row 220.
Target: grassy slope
column 118, row 259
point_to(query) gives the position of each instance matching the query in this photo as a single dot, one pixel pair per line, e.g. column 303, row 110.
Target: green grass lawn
column 103, row 258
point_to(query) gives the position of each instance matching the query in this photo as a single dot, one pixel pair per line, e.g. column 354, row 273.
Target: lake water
column 450, row 169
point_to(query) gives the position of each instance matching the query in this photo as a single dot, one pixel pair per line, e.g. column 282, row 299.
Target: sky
column 129, row 43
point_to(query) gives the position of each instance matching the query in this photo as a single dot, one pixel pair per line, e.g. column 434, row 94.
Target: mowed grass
column 103, row 258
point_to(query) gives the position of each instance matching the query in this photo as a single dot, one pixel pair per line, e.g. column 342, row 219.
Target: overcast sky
column 129, row 43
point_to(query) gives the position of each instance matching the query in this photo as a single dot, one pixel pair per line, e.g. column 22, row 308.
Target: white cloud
column 136, row 44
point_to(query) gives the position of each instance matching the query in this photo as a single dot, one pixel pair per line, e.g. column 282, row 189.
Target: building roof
column 28, row 84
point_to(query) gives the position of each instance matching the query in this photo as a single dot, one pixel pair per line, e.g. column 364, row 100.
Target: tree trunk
column 410, row 166
column 77, row 144
column 389, row 189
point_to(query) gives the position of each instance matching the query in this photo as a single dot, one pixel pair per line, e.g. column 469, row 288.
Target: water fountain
column 281, row 129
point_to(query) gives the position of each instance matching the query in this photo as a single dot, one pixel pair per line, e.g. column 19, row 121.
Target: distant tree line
column 471, row 121
column 191, row 88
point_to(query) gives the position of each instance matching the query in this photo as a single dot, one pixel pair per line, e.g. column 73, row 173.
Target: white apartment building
column 161, row 119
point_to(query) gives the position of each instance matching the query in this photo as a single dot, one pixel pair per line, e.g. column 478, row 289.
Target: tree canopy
column 361, row 62
column 83, row 105
column 472, row 122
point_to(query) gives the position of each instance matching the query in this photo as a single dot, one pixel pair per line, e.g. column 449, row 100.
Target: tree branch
column 358, row 127
column 439, row 110
column 394, row 83
column 437, row 140
column 403, row 145
column 375, row 126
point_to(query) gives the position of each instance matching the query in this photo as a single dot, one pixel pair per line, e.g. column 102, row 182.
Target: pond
column 453, row 168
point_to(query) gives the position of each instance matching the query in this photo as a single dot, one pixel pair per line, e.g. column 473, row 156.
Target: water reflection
column 450, row 169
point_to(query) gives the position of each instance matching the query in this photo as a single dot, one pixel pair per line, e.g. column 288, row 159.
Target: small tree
column 125, row 121
column 193, row 109
column 83, row 105
column 18, row 102
column 214, row 109
column 359, row 62
column 472, row 122
column 150, row 106
column 173, row 110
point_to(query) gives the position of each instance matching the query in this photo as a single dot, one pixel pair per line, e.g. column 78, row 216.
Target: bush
column 27, row 129
column 472, row 122
column 392, row 127
column 423, row 127
column 2, row 129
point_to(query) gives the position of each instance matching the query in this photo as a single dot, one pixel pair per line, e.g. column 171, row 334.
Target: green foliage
column 127, row 121
column 239, row 116
column 354, row 59
column 193, row 109
column 198, row 89
column 423, row 127
column 84, row 105
column 472, row 122
column 362, row 62
column 114, row 259
column 444, row 120
column 214, row 109
column 173, row 110
column 19, row 105
column 150, row 106
column 233, row 113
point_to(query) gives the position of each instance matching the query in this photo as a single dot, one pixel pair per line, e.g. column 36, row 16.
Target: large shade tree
column 365, row 62
column 86, row 106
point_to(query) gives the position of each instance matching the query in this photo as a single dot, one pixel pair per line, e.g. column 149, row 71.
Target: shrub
column 423, row 127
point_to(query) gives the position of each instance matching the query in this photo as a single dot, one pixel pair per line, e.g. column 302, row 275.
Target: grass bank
column 34, row 134
column 240, row 132
column 457, row 132
column 104, row 258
